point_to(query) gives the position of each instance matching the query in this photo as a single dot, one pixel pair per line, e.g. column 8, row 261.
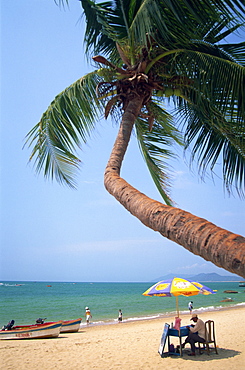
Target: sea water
column 24, row 302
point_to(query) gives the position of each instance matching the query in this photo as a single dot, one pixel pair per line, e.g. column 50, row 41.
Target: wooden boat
column 242, row 284
column 48, row 330
column 70, row 326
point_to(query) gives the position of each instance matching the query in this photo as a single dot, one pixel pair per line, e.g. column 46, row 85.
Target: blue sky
column 50, row 232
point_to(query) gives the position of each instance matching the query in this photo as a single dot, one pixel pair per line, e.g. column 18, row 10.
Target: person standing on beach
column 120, row 316
column 190, row 306
column 87, row 315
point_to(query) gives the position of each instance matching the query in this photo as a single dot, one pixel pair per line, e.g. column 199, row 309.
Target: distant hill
column 202, row 277
column 216, row 277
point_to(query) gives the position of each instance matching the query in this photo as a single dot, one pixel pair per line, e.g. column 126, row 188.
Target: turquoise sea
column 26, row 301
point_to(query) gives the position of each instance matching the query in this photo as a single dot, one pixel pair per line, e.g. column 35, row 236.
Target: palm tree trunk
column 199, row 236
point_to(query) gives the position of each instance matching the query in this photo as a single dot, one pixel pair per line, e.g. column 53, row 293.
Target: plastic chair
column 209, row 337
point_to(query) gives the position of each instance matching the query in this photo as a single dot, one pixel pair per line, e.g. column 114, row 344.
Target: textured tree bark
column 199, row 236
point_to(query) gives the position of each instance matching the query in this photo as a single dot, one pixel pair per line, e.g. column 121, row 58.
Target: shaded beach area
column 129, row 345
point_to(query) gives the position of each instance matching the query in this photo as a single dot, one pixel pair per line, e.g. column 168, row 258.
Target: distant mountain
column 216, row 277
column 202, row 277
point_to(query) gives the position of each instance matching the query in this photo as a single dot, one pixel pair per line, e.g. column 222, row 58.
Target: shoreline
column 129, row 346
column 198, row 311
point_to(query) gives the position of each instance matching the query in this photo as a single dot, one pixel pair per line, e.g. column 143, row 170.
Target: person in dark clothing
column 196, row 334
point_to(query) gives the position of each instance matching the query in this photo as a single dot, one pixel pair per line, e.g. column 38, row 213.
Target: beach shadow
column 222, row 353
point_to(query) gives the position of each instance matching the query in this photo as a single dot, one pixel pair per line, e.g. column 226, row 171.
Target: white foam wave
column 12, row 284
column 160, row 315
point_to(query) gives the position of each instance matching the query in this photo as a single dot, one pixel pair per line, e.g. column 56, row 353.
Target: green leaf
column 155, row 146
column 68, row 121
column 214, row 138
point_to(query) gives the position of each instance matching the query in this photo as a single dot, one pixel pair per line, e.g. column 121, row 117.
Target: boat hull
column 70, row 326
column 32, row 331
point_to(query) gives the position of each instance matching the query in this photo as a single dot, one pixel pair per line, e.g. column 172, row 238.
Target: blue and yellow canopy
column 177, row 286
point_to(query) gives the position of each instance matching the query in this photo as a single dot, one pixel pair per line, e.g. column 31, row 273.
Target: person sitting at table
column 196, row 334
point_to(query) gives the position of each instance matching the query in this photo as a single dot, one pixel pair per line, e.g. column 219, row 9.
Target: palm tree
column 147, row 52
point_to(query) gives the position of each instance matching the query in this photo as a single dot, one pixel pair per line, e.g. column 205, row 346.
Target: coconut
column 177, row 92
column 168, row 92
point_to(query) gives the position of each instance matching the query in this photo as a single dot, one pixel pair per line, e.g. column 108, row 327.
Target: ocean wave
column 11, row 284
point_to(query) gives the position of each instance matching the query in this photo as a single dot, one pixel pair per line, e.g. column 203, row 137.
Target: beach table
column 183, row 332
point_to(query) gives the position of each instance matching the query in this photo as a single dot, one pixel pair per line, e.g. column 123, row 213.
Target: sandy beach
column 131, row 345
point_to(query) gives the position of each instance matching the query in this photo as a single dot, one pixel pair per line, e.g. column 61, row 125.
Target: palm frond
column 154, row 147
column 230, row 6
column 174, row 23
column 213, row 138
column 213, row 108
column 67, row 122
column 220, row 31
column 236, row 51
column 104, row 26
column 218, row 79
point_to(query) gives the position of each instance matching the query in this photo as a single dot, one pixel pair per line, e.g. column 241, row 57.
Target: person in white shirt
column 196, row 334
column 190, row 306
column 120, row 316
column 87, row 314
